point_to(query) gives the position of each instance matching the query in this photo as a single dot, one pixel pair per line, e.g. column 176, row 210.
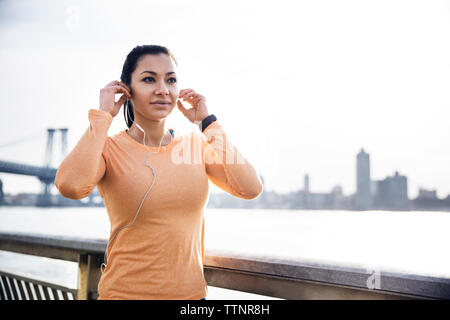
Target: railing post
column 94, row 275
column 83, row 273
column 88, row 276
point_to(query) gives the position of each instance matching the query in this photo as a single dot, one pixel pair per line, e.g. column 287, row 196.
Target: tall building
column 306, row 183
column 363, row 198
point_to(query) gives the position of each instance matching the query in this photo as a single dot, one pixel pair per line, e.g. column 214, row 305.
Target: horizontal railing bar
column 292, row 289
column 394, row 283
column 39, row 250
column 92, row 246
column 289, row 269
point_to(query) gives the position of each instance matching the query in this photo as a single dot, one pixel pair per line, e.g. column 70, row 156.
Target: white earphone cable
column 103, row 265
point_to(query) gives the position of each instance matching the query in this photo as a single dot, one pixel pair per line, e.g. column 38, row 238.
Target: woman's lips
column 161, row 105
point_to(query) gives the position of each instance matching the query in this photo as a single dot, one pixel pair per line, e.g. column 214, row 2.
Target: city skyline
column 369, row 192
column 388, row 194
column 362, row 164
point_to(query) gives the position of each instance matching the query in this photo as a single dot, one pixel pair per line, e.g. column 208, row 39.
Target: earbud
column 139, row 127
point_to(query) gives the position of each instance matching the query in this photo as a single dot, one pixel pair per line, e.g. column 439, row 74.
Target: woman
column 156, row 246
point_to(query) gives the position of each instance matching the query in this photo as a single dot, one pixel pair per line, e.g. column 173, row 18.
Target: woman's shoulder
column 116, row 136
column 115, row 139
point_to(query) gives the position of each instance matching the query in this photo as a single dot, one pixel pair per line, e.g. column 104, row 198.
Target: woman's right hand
column 108, row 99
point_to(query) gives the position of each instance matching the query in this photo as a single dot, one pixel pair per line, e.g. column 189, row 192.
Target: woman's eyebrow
column 154, row 73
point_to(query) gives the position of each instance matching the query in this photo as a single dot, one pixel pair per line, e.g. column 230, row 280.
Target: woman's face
column 154, row 87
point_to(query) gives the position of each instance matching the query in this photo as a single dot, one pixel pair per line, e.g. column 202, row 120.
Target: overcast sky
column 299, row 86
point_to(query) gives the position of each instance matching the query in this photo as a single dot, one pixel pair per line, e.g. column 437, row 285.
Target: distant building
column 428, row 200
column 392, row 193
column 319, row 201
column 305, row 199
column 337, row 190
column 427, row 194
column 363, row 198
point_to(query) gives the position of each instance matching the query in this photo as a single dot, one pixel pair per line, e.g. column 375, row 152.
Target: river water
column 408, row 242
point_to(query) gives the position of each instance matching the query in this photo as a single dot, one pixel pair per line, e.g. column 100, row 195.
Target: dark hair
column 130, row 65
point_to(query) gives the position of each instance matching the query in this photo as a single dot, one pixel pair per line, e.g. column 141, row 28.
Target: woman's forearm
column 227, row 167
column 84, row 166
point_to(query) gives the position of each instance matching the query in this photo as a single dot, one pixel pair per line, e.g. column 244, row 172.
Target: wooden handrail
column 271, row 276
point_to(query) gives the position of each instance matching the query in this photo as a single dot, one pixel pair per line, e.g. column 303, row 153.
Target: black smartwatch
column 207, row 121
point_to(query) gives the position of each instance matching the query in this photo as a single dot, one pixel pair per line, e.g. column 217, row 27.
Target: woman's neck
column 155, row 132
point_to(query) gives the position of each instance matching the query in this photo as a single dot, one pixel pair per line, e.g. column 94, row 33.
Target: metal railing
column 16, row 287
column 263, row 275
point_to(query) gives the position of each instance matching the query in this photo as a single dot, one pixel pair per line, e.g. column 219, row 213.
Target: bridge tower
column 45, row 196
column 1, row 192
column 63, row 142
column 49, row 150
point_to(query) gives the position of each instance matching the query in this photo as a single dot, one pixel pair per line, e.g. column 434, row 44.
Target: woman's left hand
column 199, row 111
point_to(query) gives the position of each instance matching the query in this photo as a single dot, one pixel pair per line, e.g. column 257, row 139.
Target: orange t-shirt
column 161, row 255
